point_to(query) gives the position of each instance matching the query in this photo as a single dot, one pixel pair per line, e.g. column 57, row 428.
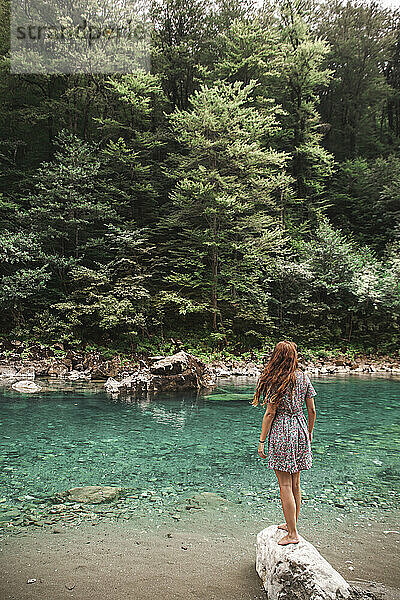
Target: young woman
column 284, row 427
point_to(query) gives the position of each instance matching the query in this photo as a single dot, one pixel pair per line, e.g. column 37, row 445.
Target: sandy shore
column 203, row 556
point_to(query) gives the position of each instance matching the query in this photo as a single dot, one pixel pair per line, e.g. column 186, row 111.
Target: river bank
column 72, row 365
column 210, row 554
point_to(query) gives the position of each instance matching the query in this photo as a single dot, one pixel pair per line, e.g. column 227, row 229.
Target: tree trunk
column 214, row 267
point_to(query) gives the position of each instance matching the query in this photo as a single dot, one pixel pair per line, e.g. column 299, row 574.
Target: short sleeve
column 310, row 391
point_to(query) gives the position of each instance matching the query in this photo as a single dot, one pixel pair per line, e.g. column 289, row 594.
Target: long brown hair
column 278, row 374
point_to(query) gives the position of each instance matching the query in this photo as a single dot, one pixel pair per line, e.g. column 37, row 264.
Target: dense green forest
column 246, row 189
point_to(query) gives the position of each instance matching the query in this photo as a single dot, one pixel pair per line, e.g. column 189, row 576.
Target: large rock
column 172, row 365
column 93, row 494
column 27, row 372
column 298, row 571
column 75, row 375
column 7, row 372
column 17, row 372
column 181, row 371
column 27, row 387
column 57, row 369
column 112, row 386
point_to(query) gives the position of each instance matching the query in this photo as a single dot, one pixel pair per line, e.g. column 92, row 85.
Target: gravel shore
column 209, row 556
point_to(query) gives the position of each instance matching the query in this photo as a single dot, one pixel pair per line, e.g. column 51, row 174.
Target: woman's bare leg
column 288, row 506
column 297, row 497
column 296, row 492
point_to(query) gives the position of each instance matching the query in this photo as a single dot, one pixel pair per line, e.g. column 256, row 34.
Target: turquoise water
column 158, row 450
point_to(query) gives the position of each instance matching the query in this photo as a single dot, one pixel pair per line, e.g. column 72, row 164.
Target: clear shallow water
column 175, row 446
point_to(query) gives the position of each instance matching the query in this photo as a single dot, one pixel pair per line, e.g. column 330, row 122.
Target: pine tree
column 302, row 77
column 223, row 218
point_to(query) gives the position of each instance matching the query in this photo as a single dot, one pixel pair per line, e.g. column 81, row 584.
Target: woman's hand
column 261, row 448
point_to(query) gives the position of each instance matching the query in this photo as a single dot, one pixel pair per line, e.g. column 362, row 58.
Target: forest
column 243, row 190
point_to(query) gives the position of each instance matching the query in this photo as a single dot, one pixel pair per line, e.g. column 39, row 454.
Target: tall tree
column 223, row 216
column 361, row 36
column 302, row 77
column 392, row 74
column 364, row 198
column 179, row 42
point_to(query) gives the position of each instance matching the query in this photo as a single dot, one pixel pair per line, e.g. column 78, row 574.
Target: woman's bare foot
column 289, row 539
column 283, row 526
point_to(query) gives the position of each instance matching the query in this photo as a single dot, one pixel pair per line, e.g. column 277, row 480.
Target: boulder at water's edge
column 181, row 371
column 298, row 571
column 27, row 387
column 93, row 494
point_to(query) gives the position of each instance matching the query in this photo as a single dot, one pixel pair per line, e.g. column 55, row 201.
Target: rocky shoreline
column 318, row 367
column 179, row 371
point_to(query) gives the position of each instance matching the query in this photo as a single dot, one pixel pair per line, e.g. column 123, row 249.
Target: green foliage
column 243, row 191
column 302, row 77
column 361, row 37
column 222, row 207
column 365, row 199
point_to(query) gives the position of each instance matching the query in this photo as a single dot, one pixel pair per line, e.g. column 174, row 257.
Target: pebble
column 391, row 531
column 70, row 586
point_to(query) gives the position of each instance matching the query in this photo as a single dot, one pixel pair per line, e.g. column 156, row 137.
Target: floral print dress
column 289, row 446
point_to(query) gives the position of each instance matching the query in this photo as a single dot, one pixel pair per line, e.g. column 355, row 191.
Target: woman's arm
column 309, row 398
column 312, row 413
column 266, row 425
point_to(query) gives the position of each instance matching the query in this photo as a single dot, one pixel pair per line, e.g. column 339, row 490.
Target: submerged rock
column 180, row 371
column 209, row 500
column 28, row 387
column 93, row 494
column 298, row 571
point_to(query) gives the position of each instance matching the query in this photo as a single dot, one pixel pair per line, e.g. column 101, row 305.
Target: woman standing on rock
column 285, row 388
